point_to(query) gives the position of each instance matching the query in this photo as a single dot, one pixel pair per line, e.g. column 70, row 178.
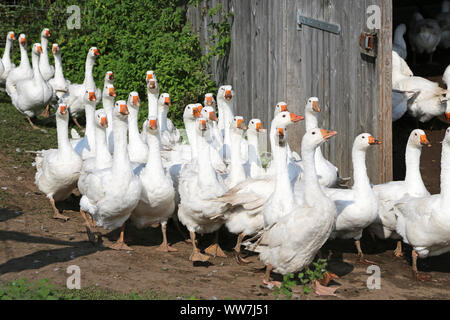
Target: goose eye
column 314, row 132
column 363, row 137
column 415, row 134
column 284, row 116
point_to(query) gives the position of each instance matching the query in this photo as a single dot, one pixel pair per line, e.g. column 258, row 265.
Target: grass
column 24, row 289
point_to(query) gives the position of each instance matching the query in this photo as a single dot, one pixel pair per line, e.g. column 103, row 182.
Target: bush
column 132, row 37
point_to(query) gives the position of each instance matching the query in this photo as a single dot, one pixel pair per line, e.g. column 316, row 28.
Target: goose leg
column 398, row 251
column 215, row 250
column 419, row 276
column 237, row 250
column 32, row 124
column 90, row 224
column 267, row 280
column 361, row 259
column 196, row 255
column 75, row 120
column 46, row 112
column 120, row 243
column 164, row 247
column 56, row 214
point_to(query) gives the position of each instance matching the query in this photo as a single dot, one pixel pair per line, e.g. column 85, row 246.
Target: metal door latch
column 368, row 43
column 318, row 24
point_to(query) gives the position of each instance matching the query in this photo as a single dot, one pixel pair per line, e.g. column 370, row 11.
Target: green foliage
column 133, row 37
column 305, row 279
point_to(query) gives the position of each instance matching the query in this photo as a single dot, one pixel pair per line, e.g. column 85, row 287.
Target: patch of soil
column 35, row 246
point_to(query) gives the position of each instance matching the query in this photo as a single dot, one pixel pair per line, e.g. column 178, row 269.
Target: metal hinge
column 368, row 43
column 318, row 24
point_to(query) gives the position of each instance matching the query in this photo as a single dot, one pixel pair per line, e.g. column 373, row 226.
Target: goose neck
column 237, row 171
column 133, row 125
column 413, row 177
column 445, row 176
column 88, row 77
column 253, row 153
column 206, row 173
column 44, row 44
column 312, row 191
column 24, row 62
column 7, row 53
column 162, row 117
column 192, row 137
column 361, row 180
column 89, row 111
column 58, row 66
column 36, row 71
column 62, row 128
column 311, row 120
column 102, row 155
column 152, row 104
column 121, row 161
column 154, row 168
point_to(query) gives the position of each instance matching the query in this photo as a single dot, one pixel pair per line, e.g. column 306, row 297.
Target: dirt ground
column 34, row 246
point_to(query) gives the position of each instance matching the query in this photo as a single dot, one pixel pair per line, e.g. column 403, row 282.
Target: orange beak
column 327, row 134
column 241, row 124
column 373, row 141
column 315, row 106
column 47, row 33
column 111, row 76
column 112, row 92
column 167, row 100
column 280, row 132
column 447, row 115
column 283, row 107
column 424, row 141
column 149, row 76
column 296, row 118
column 153, row 124
column 92, row 96
column 259, row 127
column 124, row 109
column 212, row 116
column 39, row 49
column 23, row 40
column 209, row 100
column 54, row 49
column 96, row 52
column 104, row 122
column 12, row 36
column 228, row 95
column 202, row 124
column 63, row 109
column 136, row 101
column 196, row 113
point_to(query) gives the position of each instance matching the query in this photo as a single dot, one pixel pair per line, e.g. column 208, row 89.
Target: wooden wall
column 271, row 61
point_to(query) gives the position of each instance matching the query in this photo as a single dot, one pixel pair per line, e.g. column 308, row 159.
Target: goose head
column 238, row 125
column 225, row 93
column 314, row 138
column 191, row 112
column 89, row 97
column 151, row 125
column 62, row 111
column 37, row 49
column 100, row 118
column 22, row 40
column 400, row 30
column 208, row 113
column 209, row 100
column 45, row 33
column 201, row 126
column 133, row 101
column 152, row 82
column 121, row 110
column 93, row 53
column 55, row 49
column 313, row 105
column 10, row 36
column 109, row 76
column 364, row 141
column 164, row 101
column 282, row 121
column 418, row 138
column 255, row 126
column 109, row 92
column 280, row 107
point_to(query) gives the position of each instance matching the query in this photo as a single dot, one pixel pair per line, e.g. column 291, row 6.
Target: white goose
column 357, row 208
column 23, row 71
column 112, row 194
column 209, row 114
column 294, row 233
column 390, row 193
column 74, row 98
column 108, row 96
column 59, row 84
column 58, row 169
column 424, row 223
column 157, row 201
column 6, row 58
column 137, row 149
column 399, row 44
column 32, row 95
column 46, row 69
column 85, row 146
column 109, row 78
column 199, row 187
column 236, row 172
column 216, row 134
column 152, row 94
column 225, row 104
column 253, row 167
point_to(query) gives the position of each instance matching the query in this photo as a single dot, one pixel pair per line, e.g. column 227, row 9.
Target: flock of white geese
column 289, row 209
